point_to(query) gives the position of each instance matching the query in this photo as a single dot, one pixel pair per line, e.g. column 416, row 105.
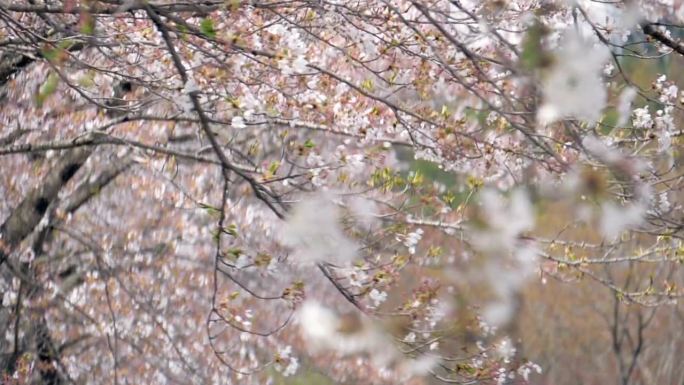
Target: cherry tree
column 233, row 191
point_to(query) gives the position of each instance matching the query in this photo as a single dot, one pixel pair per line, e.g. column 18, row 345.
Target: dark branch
column 653, row 31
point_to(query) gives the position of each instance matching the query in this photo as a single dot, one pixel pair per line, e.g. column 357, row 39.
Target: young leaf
column 207, row 28
column 47, row 89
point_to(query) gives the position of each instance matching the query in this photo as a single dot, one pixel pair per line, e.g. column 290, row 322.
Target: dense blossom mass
column 238, row 192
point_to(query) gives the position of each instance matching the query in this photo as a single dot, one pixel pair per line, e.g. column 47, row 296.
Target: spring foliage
column 232, row 192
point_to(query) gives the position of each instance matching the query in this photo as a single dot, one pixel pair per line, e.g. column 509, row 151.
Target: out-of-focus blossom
column 573, row 88
column 314, row 232
column 377, row 296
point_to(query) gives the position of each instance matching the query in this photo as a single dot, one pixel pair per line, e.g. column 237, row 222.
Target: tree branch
column 652, row 31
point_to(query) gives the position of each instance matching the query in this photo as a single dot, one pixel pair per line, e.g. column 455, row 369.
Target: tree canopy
column 237, row 192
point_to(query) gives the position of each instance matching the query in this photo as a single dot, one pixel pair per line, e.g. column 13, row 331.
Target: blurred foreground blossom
column 504, row 220
column 314, row 232
column 573, row 88
column 512, row 259
column 350, row 334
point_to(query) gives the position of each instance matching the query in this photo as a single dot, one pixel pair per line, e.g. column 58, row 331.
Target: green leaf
column 416, row 179
column 231, row 229
column 533, row 54
column 182, row 30
column 273, row 167
column 87, row 24
column 50, row 54
column 207, row 28
column 309, row 144
column 474, row 183
column 48, row 88
column 449, row 198
column 87, row 80
column 214, row 211
column 367, row 85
